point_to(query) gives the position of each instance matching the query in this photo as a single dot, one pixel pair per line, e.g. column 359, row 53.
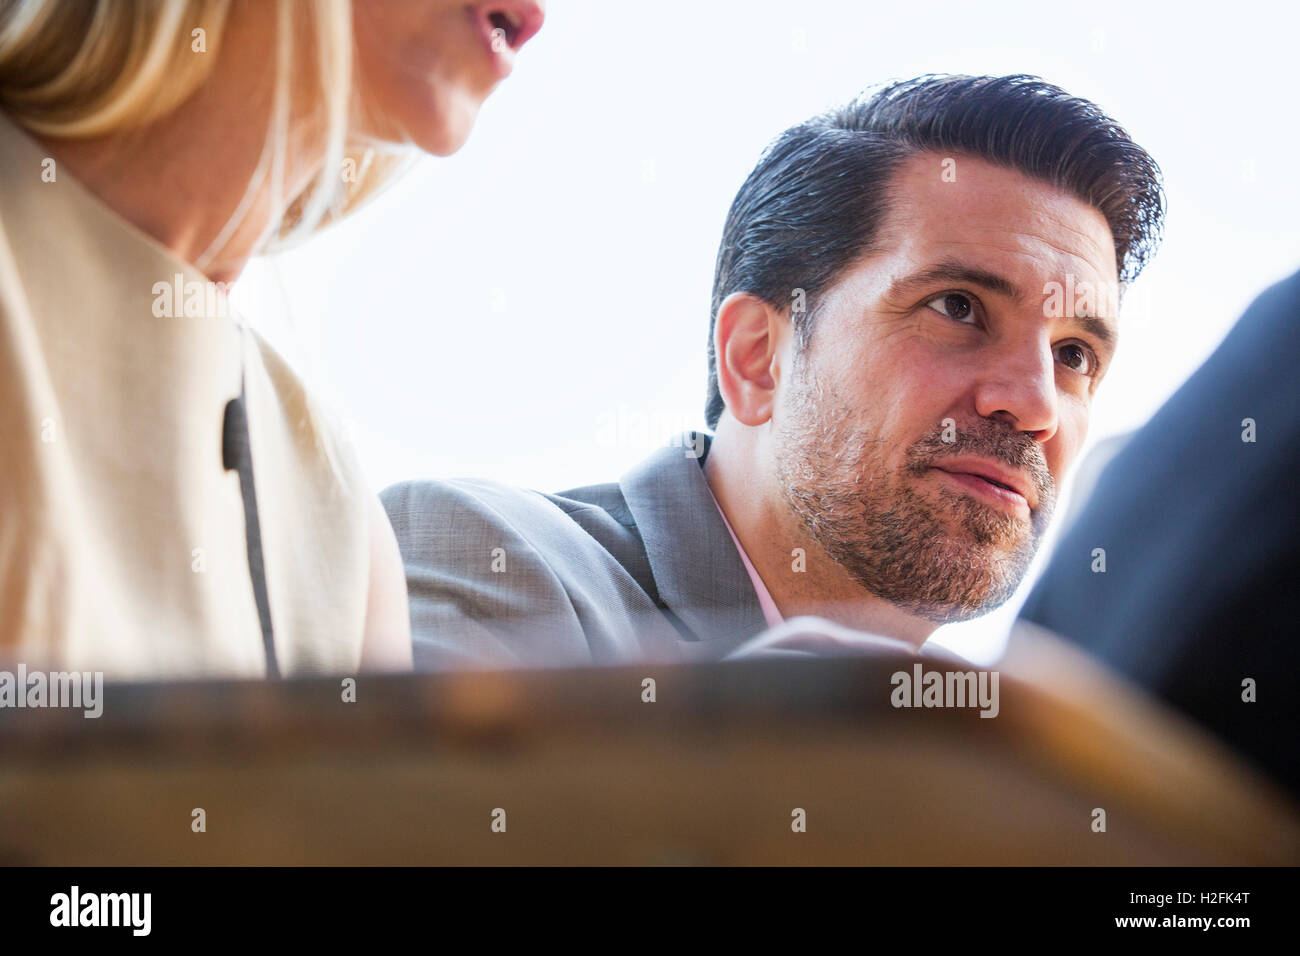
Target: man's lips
column 983, row 474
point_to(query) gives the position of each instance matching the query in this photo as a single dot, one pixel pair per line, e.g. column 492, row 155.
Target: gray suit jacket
column 606, row 574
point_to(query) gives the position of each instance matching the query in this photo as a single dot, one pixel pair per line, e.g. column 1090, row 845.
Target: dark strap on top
column 237, row 454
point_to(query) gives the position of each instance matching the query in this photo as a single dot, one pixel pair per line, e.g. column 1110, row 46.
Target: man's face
column 944, row 355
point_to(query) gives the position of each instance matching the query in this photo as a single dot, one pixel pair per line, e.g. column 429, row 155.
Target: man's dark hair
column 814, row 203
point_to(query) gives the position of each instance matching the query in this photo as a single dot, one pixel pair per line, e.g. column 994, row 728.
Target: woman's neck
column 182, row 178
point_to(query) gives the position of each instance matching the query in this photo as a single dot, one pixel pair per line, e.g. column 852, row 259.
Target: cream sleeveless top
column 122, row 536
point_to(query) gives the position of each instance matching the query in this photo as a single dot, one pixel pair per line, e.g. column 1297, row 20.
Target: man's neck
column 801, row 577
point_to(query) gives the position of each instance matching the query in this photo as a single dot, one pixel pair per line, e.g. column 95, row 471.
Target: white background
column 534, row 309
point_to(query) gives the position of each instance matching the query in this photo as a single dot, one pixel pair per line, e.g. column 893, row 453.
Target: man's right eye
column 955, row 305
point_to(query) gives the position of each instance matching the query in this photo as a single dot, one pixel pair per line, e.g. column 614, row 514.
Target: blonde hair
column 85, row 68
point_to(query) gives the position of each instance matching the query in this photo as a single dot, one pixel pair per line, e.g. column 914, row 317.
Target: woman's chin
column 446, row 129
column 436, row 117
column 446, row 142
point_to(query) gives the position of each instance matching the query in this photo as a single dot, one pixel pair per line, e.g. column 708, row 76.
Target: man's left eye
column 1076, row 357
column 955, row 305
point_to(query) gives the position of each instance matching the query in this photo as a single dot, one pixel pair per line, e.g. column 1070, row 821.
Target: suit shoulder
column 416, row 505
column 584, row 503
column 579, row 543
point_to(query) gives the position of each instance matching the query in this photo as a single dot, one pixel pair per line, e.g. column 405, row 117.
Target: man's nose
column 1019, row 386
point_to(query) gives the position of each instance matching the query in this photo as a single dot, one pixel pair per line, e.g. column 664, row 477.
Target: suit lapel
column 696, row 567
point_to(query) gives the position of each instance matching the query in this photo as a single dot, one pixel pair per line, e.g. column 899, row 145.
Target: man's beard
column 945, row 560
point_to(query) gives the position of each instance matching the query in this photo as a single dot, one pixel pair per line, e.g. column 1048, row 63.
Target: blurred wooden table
column 587, row 773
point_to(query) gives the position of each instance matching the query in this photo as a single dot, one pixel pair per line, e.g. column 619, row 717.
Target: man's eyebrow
column 1097, row 327
column 953, row 270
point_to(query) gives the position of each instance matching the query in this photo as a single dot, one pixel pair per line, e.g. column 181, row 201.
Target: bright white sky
column 534, row 309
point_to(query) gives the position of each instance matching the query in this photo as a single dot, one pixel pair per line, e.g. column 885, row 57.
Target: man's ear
column 748, row 336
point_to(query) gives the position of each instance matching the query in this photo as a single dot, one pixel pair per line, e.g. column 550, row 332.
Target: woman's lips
column 504, row 27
